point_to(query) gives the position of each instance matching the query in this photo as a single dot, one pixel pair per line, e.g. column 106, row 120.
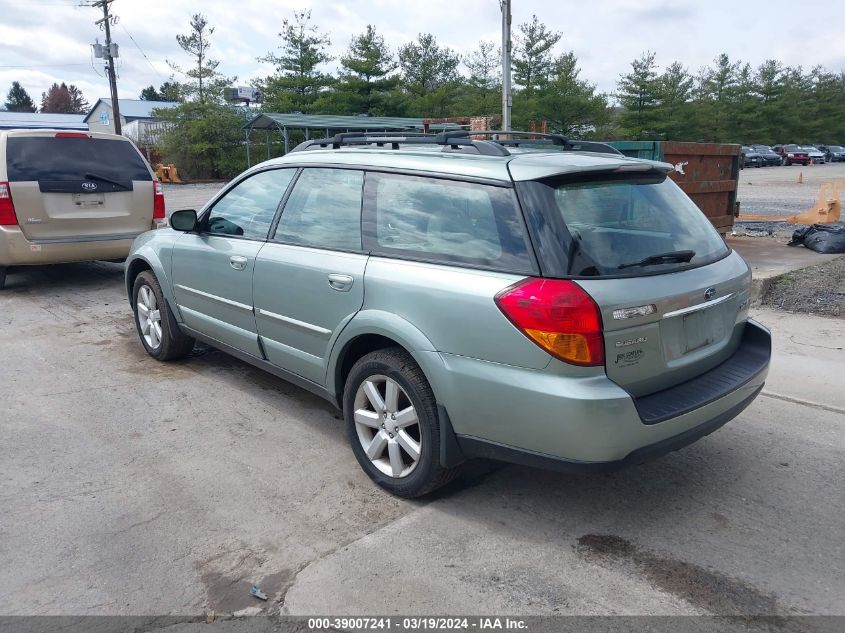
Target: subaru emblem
column 709, row 294
column 89, row 186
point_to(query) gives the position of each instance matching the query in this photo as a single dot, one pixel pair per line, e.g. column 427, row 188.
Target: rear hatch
column 672, row 296
column 76, row 186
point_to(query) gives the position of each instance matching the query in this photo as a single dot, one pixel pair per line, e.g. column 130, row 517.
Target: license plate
column 88, row 199
column 703, row 328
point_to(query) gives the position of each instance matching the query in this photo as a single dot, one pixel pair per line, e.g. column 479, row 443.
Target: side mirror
column 184, row 220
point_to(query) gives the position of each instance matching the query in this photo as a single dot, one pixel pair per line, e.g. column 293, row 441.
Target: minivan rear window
column 617, row 225
column 72, row 159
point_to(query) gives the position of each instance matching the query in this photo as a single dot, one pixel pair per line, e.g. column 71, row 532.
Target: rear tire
column 157, row 329
column 3, row 271
column 391, row 410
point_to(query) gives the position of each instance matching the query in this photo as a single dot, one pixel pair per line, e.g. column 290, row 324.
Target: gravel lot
column 776, row 191
column 135, row 487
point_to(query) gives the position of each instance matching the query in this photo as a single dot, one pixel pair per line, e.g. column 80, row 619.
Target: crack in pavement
column 806, row 403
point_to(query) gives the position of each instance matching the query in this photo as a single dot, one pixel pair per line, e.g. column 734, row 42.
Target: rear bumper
column 590, row 423
column 475, row 448
column 16, row 250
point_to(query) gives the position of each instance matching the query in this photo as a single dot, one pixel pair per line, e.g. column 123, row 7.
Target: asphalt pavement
column 128, row 486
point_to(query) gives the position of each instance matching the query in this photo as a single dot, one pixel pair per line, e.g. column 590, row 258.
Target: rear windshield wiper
column 116, row 183
column 662, row 258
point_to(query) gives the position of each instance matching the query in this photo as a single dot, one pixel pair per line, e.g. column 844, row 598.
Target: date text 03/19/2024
column 423, row 623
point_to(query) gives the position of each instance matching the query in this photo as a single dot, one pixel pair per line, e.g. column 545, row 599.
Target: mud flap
column 450, row 452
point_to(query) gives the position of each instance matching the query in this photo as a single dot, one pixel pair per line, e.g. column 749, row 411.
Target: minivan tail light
column 559, row 316
column 7, row 206
column 158, row 201
column 72, row 135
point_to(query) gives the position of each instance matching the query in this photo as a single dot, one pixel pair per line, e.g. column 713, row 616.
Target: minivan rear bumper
column 590, row 424
column 16, row 250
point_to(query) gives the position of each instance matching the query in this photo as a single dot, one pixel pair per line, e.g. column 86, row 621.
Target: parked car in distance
column 832, row 153
column 770, row 156
column 457, row 298
column 792, row 154
column 72, row 196
column 751, row 157
column 815, row 154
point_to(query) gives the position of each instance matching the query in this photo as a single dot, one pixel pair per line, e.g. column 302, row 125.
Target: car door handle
column 341, row 283
column 238, row 262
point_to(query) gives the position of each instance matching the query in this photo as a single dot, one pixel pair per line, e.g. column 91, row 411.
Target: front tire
column 157, row 329
column 3, row 271
column 393, row 426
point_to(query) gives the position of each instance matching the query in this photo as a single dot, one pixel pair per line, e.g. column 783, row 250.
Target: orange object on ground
column 828, row 208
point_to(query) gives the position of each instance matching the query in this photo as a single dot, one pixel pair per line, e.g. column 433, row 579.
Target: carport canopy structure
column 329, row 125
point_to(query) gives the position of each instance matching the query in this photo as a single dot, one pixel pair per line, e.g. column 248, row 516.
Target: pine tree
column 482, row 93
column 150, row 94
column 78, row 103
column 674, row 91
column 637, row 92
column 298, row 79
column 18, row 99
column 429, row 76
column 569, row 103
column 366, row 82
column 207, row 83
column 532, row 61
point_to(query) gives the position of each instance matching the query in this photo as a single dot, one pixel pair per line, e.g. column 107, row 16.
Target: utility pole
column 110, row 52
column 506, row 64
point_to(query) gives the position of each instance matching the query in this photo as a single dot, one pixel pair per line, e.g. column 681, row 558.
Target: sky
column 46, row 41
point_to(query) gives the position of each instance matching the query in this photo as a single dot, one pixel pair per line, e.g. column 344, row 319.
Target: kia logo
column 89, row 186
column 709, row 294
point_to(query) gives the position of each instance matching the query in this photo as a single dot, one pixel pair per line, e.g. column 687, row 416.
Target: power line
column 141, row 51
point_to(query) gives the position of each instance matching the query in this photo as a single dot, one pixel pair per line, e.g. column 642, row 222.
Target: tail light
column 7, row 207
column 559, row 316
column 158, row 201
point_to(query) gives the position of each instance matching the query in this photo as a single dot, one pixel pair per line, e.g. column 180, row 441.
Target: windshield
column 793, row 148
column 835, row 148
column 618, row 226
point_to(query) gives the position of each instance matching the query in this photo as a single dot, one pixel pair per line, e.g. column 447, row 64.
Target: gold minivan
column 72, row 196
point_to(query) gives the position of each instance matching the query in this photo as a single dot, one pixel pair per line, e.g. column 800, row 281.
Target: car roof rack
column 539, row 138
column 451, row 140
column 554, row 139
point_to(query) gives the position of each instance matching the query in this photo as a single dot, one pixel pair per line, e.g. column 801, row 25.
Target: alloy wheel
column 149, row 317
column 387, row 426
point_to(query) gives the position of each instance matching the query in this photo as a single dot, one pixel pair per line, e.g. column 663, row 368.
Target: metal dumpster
column 707, row 172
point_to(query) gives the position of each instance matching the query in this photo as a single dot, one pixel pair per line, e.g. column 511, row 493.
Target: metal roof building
column 329, row 124
column 41, row 120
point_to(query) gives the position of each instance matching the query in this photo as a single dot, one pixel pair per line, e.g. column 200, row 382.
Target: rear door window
column 63, row 163
column 446, row 221
column 618, row 225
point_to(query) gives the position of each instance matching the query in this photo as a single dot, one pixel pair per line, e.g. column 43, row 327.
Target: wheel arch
column 148, row 259
column 370, row 330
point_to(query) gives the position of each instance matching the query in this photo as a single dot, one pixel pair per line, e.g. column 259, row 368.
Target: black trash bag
column 822, row 238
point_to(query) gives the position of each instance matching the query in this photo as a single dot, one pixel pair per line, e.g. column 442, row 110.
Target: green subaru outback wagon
column 461, row 298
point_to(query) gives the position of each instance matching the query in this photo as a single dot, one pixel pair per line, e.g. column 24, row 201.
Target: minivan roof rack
column 450, row 140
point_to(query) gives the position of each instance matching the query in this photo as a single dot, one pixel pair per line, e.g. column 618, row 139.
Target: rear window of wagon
column 602, row 225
